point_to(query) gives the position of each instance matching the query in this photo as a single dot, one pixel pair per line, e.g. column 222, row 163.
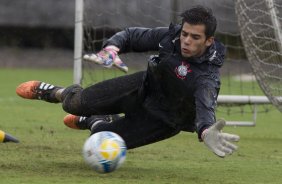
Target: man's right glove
column 107, row 57
column 219, row 142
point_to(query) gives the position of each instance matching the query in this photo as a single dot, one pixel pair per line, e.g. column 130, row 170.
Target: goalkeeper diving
column 177, row 92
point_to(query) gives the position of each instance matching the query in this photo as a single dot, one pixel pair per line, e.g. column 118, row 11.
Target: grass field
column 51, row 153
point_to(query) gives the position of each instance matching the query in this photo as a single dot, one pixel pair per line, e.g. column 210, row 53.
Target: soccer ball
column 104, row 151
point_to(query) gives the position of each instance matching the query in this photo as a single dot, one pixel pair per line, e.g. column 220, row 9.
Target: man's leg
column 107, row 97
column 137, row 130
column 84, row 123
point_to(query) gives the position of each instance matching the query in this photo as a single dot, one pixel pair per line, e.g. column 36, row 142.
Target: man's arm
column 131, row 39
column 205, row 101
column 210, row 131
column 137, row 39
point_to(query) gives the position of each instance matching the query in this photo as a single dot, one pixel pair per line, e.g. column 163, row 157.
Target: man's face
column 193, row 40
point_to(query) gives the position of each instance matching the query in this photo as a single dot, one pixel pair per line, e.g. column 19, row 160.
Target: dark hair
column 200, row 15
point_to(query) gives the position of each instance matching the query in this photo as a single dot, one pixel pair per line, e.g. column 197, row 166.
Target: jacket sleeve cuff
column 201, row 131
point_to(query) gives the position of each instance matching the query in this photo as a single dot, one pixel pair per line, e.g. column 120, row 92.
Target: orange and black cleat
column 38, row 90
column 84, row 123
column 74, row 122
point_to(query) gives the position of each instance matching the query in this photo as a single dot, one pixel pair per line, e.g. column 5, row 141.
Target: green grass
column 51, row 153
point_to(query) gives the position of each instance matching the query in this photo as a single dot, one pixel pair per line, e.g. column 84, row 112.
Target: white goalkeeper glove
column 107, row 57
column 219, row 142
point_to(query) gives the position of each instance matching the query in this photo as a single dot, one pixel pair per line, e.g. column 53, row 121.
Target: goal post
column 275, row 21
column 243, row 100
column 78, row 42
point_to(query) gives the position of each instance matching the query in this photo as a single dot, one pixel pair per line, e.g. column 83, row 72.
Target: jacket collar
column 213, row 55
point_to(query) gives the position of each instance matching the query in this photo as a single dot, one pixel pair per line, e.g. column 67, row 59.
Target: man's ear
column 209, row 41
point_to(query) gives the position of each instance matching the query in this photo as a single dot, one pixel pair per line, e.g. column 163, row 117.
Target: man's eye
column 196, row 37
column 184, row 34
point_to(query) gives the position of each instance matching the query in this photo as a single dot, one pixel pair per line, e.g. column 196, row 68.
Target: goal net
column 260, row 26
column 101, row 19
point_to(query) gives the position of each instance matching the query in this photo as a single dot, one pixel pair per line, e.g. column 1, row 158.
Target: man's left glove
column 219, row 142
column 107, row 57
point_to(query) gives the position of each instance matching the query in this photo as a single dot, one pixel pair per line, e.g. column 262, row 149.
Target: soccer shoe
column 75, row 122
column 83, row 123
column 38, row 90
column 4, row 137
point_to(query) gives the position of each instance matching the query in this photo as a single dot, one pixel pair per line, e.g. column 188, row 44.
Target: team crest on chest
column 182, row 70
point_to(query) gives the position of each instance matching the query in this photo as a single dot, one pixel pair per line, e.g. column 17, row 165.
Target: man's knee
column 71, row 99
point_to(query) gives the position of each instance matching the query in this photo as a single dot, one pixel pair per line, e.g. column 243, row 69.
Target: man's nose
column 187, row 40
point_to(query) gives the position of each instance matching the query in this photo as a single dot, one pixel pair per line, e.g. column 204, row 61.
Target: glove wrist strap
column 203, row 134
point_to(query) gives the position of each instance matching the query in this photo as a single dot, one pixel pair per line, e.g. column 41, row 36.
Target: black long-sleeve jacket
column 180, row 91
